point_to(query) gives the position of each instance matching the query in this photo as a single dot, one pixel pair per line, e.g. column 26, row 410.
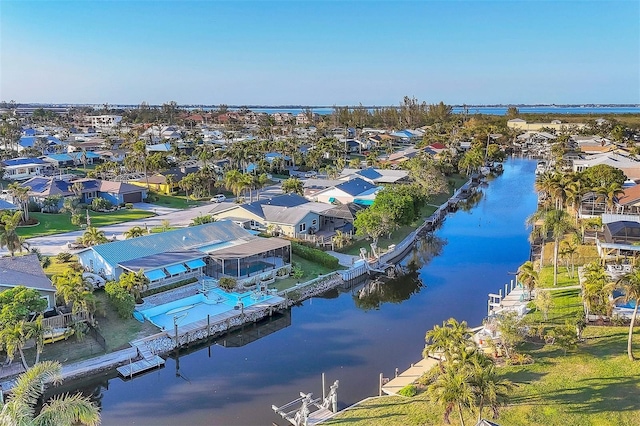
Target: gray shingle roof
column 24, row 270
column 355, row 186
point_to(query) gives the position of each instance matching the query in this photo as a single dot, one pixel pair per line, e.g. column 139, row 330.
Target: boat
column 57, row 334
column 541, row 167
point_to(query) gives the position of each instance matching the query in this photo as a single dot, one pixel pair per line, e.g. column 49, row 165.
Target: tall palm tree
column 74, row 290
column 67, row 410
column 9, row 237
column 609, row 193
column 488, row 387
column 596, row 289
column 20, row 194
column 630, row 284
column 528, row 276
column 13, row 339
column 448, row 340
column 451, row 389
column 557, row 223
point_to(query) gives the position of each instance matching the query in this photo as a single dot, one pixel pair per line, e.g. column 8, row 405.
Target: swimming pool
column 629, row 305
column 197, row 307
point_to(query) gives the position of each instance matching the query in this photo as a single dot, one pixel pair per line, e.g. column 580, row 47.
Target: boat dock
column 141, row 366
column 308, row 411
column 407, row 377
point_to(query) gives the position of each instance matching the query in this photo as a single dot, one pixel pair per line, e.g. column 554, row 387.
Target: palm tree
column 74, row 290
column 135, row 283
column 9, row 237
column 134, row 232
column 36, row 330
column 93, row 236
column 609, row 193
column 488, row 388
column 449, row 339
column 558, row 223
column 21, row 195
column 568, row 249
column 630, row 284
column 596, row 289
column 13, row 338
column 451, row 389
column 65, row 410
column 528, row 276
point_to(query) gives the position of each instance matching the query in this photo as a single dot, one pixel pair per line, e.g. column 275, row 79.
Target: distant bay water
column 500, row 110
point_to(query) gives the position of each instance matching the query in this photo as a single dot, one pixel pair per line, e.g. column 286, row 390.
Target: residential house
column 592, row 144
column 629, row 165
column 375, row 176
column 520, row 124
column 166, row 182
column 26, row 271
column 115, row 192
column 629, row 201
column 24, row 168
column 71, row 159
column 218, row 249
column 355, row 190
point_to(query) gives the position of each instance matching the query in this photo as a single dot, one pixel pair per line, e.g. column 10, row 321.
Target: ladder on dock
column 148, row 362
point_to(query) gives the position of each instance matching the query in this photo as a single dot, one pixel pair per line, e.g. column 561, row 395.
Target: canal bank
column 351, row 334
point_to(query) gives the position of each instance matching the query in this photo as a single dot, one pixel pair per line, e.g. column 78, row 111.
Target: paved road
column 54, row 244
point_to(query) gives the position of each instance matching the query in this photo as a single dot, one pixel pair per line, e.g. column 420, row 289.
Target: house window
column 47, row 300
column 302, row 227
column 314, row 222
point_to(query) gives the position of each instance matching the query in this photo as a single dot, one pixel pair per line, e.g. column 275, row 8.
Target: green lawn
column 174, row 201
column 61, row 222
column 311, row 271
column 594, row 385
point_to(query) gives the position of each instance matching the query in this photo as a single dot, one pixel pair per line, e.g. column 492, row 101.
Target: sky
column 323, row 52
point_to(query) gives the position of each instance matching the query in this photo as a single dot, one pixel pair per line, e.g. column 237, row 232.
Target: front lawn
column 173, row 201
column 61, row 222
column 311, row 270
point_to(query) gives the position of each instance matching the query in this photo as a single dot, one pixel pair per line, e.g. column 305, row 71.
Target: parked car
column 311, row 174
column 218, row 198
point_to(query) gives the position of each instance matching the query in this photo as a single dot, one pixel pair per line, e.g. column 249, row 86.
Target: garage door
column 134, row 197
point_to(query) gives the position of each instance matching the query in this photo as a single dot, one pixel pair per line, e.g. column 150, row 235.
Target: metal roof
column 257, row 246
column 355, row 186
column 161, row 259
column 191, row 238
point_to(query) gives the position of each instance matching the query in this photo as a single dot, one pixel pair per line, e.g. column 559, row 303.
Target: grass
column 311, row 270
column 51, row 224
column 58, row 268
column 174, row 201
column 595, row 385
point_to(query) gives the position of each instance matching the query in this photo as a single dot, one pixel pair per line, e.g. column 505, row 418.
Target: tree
column 568, row 249
column 75, row 291
column 292, row 185
column 135, row 283
column 630, row 284
column 67, row 410
column 557, row 223
column 201, row 220
column 371, row 223
column 528, row 276
column 134, row 232
column 20, row 194
column 93, row 236
column 609, row 193
column 543, row 302
column 602, row 175
column 9, row 237
column 487, row 386
column 596, row 289
column 448, row 340
column 451, row 389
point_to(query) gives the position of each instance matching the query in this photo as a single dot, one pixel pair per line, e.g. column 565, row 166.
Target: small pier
column 129, row 370
column 408, row 377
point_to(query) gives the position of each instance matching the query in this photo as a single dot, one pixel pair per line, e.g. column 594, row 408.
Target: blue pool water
column 197, row 307
column 628, row 305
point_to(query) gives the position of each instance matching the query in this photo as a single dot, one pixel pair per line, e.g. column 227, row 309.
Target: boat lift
column 323, row 408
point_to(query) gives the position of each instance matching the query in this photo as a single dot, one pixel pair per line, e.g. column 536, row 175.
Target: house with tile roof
column 629, row 201
column 216, row 250
column 629, row 165
column 26, row 271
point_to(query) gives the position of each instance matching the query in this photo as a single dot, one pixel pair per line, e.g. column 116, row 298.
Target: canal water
column 352, row 335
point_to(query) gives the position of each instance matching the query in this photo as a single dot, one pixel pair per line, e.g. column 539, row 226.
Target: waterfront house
column 71, row 159
column 288, row 214
column 375, row 176
column 630, row 166
column 355, row 190
column 215, row 249
column 25, row 168
column 26, row 271
column 629, row 201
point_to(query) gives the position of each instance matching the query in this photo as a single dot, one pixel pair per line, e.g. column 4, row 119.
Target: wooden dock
column 141, row 366
column 409, row 376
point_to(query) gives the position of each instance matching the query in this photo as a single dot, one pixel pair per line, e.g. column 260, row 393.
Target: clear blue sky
column 320, row 52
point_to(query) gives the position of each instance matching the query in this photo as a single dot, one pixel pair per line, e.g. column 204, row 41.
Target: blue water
column 594, row 110
column 628, row 305
column 352, row 336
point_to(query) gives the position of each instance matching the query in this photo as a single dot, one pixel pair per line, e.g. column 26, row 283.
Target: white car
column 218, row 198
column 310, row 174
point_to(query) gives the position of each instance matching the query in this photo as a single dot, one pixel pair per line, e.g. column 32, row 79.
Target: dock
column 308, row 411
column 140, row 366
column 409, row 376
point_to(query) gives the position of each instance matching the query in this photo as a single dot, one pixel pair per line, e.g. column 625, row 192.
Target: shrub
column 100, row 204
column 34, row 206
column 409, row 390
column 64, row 257
column 128, row 206
column 227, row 283
column 122, row 301
column 315, row 255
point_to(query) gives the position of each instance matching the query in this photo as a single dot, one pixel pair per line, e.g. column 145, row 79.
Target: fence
column 65, row 320
column 93, row 332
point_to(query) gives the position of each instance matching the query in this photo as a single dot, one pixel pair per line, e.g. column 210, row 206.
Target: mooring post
column 208, row 324
column 324, row 394
column 380, row 387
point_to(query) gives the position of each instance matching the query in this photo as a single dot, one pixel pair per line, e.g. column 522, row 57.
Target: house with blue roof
column 375, row 176
column 356, row 190
column 215, row 250
column 24, row 168
column 51, row 142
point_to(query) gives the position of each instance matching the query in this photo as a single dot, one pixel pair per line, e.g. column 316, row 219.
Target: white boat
column 541, row 167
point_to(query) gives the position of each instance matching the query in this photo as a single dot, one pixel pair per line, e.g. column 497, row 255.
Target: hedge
column 120, row 299
column 315, row 255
